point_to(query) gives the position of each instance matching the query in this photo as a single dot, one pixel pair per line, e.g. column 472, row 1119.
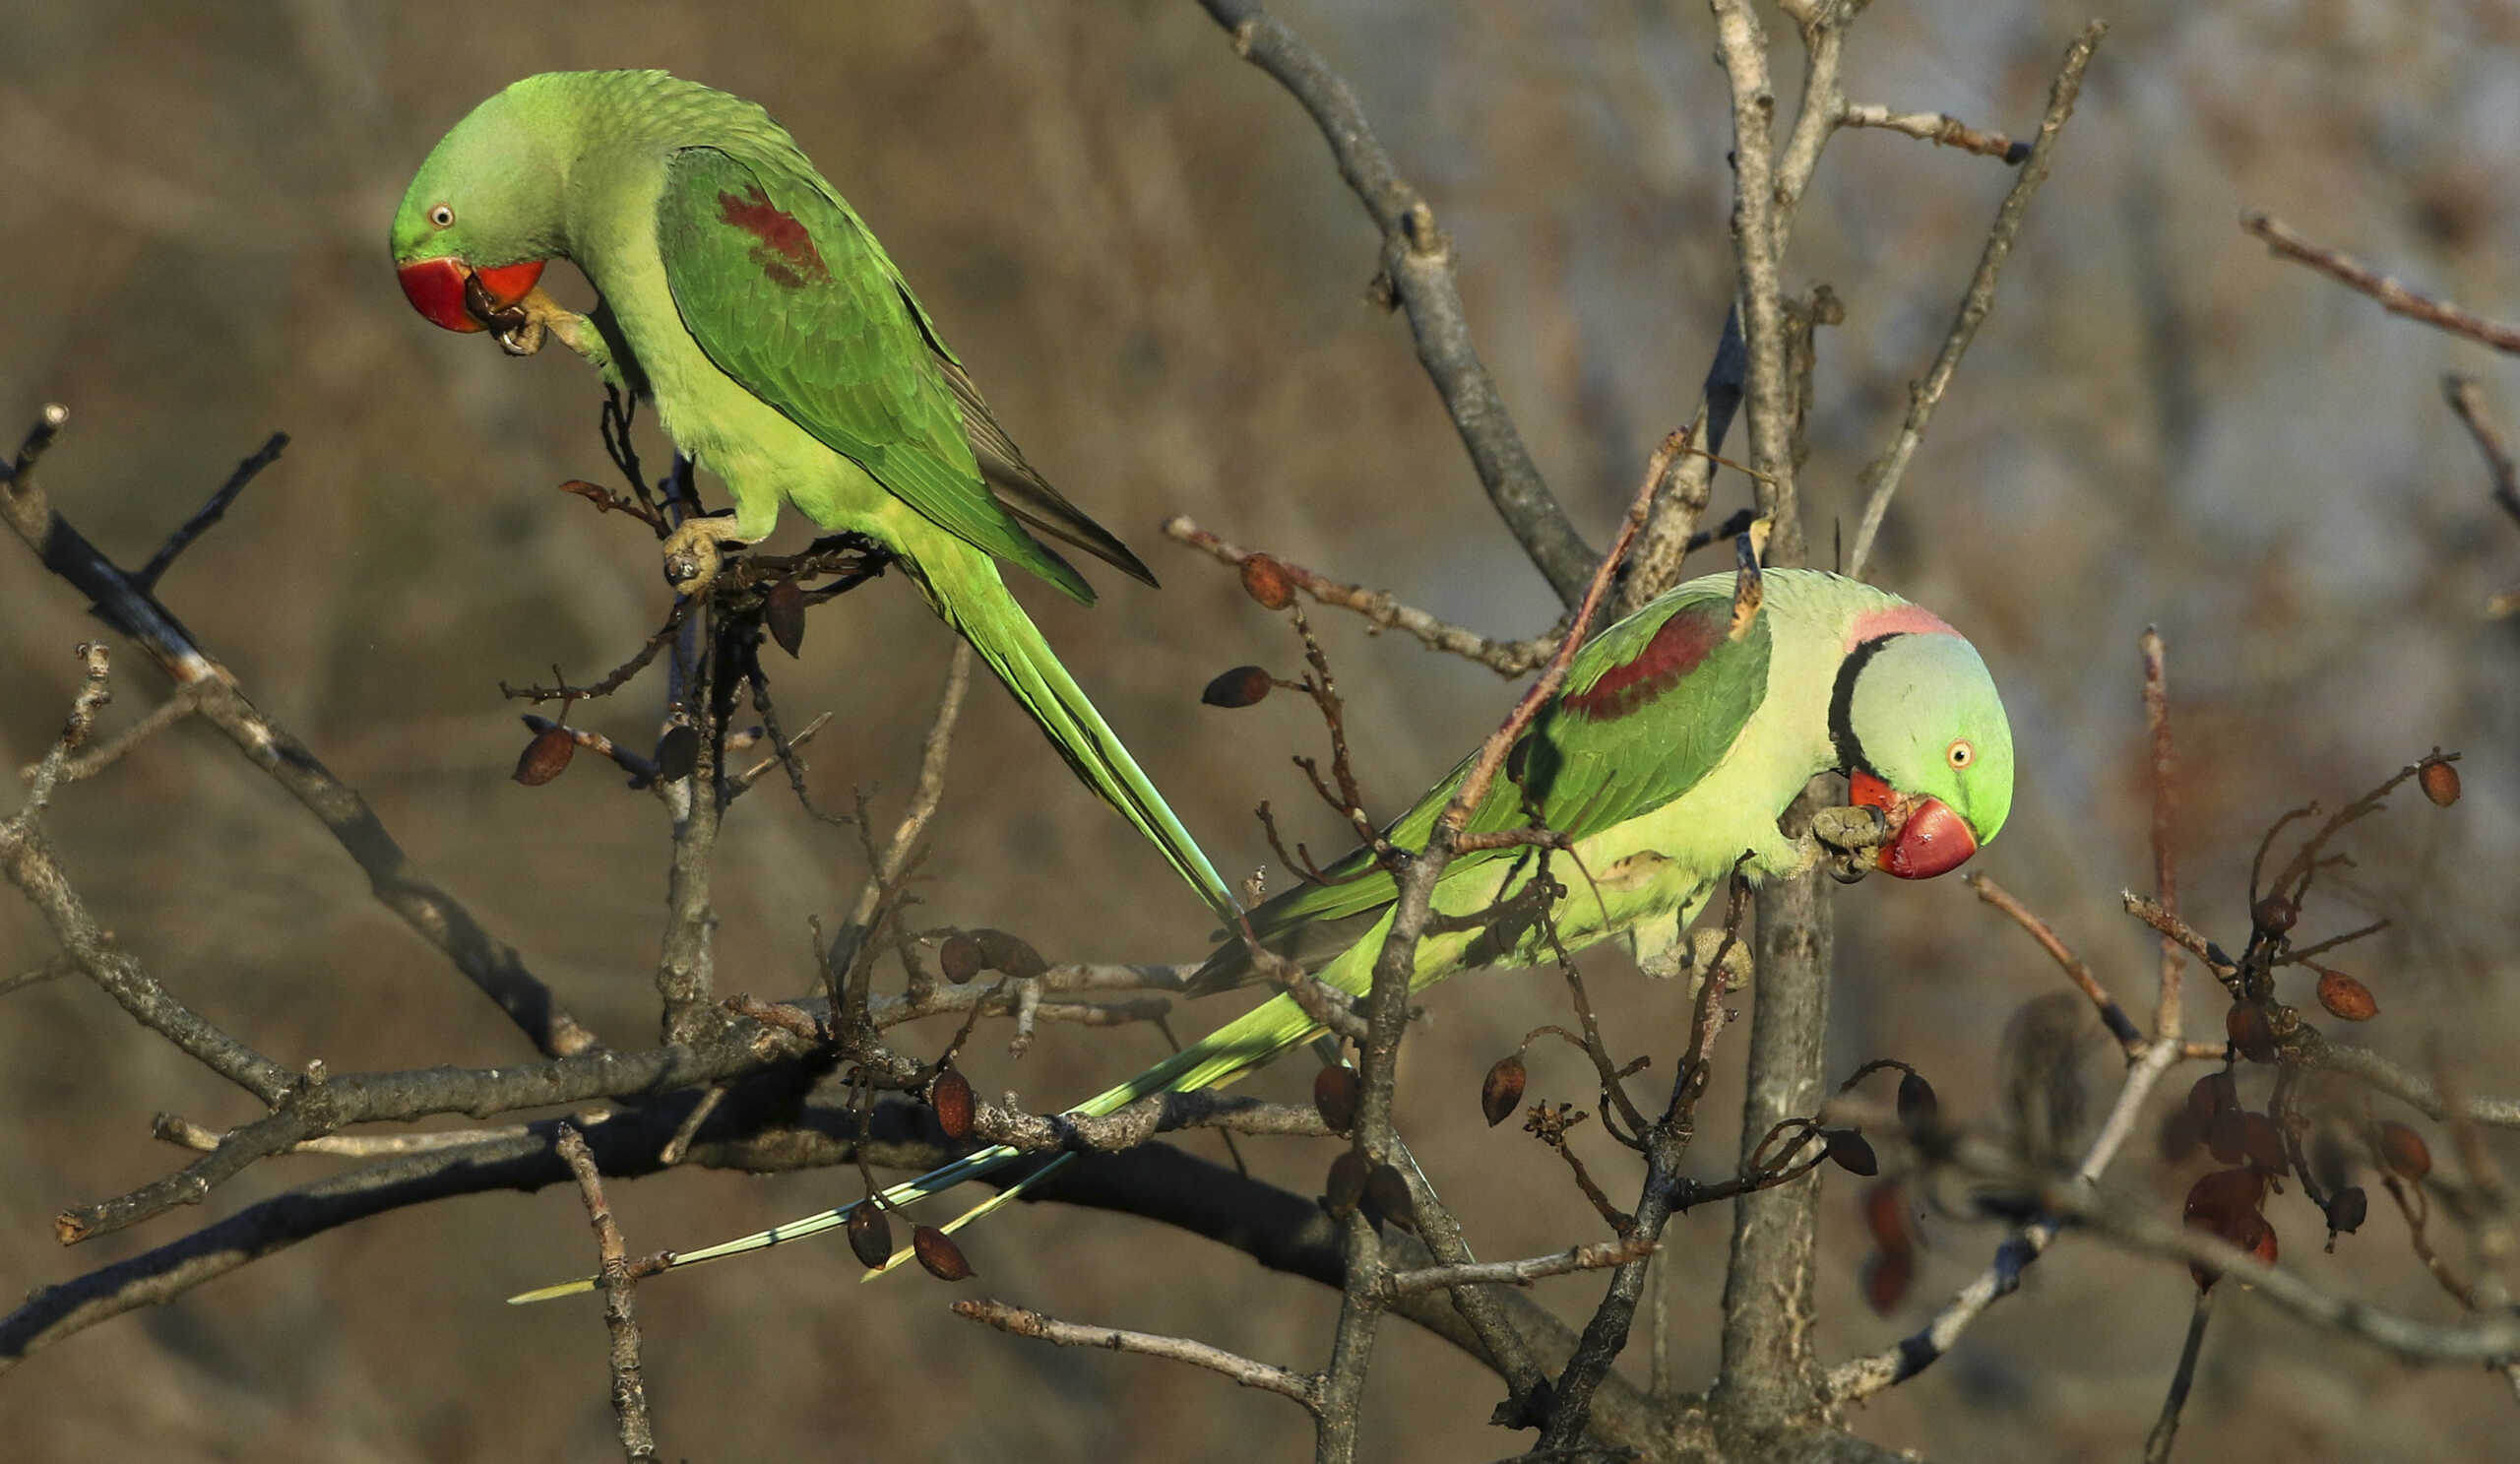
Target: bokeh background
column 1141, row 248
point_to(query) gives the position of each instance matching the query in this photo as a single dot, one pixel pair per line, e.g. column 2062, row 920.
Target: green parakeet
column 783, row 352
column 1670, row 751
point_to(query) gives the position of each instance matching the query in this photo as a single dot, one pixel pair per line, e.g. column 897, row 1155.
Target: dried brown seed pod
column 2211, row 1095
column 1501, row 1092
column 2346, row 1000
column 2249, row 1232
column 950, row 1095
column 870, row 1234
column 2250, row 1031
column 677, row 753
column 1336, row 1091
column 2217, row 1197
column 545, row 757
column 2346, row 1211
column 1850, row 1151
column 2440, row 782
column 937, row 1251
column 1886, row 1279
column 782, row 611
column 1346, row 1186
column 1388, row 1193
column 1011, row 954
column 2403, row 1150
column 2275, row 915
column 1919, row 1108
column 1266, row 580
column 1241, row 686
column 960, row 958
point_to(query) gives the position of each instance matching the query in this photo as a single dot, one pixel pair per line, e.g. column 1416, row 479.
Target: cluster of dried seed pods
column 1891, row 1270
column 1357, row 1183
column 965, row 954
column 870, row 1239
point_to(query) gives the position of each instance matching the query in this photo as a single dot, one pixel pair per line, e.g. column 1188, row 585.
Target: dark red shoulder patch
column 1678, row 648
column 786, row 253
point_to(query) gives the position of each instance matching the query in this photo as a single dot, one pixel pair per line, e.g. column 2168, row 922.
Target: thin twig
column 2396, row 299
column 2165, row 1432
column 629, row 1387
column 1940, row 128
column 2468, row 404
column 2165, row 1013
column 1505, row 657
column 2111, row 1015
column 1890, row 469
column 1594, row 1258
column 1023, row 1321
column 1417, row 264
column 210, row 513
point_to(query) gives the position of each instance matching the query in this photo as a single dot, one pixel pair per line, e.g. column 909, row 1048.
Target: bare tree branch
column 1505, row 657
column 1417, row 262
column 2394, row 298
column 629, row 1386
column 1939, row 127
column 1889, row 470
column 489, row 963
column 1023, row 1322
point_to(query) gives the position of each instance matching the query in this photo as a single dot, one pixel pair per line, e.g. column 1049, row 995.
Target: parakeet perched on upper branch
column 1675, row 745
column 783, row 352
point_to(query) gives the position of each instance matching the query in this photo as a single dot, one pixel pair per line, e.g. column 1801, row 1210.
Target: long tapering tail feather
column 970, row 595
column 1221, row 1056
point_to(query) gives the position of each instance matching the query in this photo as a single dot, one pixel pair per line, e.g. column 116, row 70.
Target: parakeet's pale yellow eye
column 1960, row 754
column 441, row 215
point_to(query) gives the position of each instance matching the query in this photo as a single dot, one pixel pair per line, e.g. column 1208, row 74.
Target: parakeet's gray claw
column 518, row 333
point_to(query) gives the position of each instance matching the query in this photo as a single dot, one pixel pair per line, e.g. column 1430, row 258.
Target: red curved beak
column 1930, row 840
column 437, row 288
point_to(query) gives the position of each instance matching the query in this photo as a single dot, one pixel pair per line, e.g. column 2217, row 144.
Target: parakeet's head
column 1923, row 737
column 484, row 212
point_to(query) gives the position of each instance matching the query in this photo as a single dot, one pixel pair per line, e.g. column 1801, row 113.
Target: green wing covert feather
column 1648, row 709
column 790, row 296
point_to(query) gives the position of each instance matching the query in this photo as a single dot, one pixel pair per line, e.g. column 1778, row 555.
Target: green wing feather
column 790, row 294
column 1649, row 706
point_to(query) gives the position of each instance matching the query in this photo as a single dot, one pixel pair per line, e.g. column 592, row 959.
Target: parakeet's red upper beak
column 436, row 287
column 1930, row 838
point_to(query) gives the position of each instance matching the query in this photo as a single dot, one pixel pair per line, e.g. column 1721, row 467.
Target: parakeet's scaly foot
column 691, row 551
column 521, row 329
column 1845, row 840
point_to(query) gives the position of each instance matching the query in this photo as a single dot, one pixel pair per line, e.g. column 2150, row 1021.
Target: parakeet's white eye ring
column 1960, row 754
column 441, row 215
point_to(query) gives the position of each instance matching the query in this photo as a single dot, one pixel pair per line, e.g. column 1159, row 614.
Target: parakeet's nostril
column 435, row 288
column 1933, row 841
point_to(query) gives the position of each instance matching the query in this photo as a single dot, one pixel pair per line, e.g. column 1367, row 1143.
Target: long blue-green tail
column 967, row 591
column 1222, row 1056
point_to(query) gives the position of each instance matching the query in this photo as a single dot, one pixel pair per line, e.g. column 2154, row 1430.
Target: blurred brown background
column 1141, row 248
